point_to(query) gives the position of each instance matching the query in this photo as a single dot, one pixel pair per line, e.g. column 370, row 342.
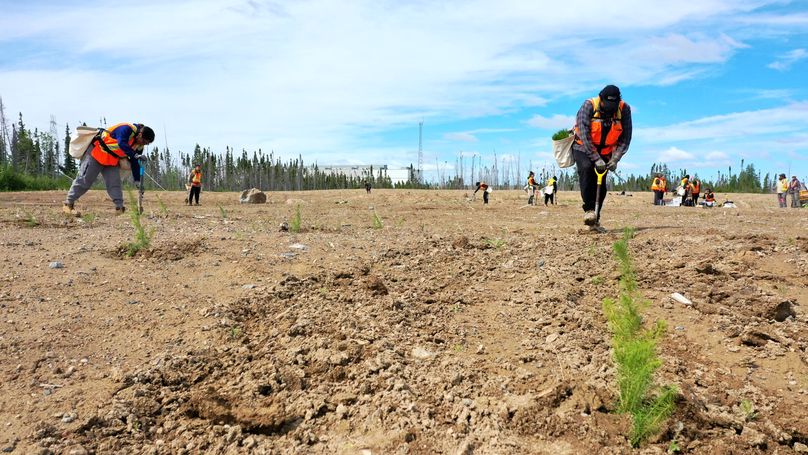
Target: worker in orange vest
column 709, row 198
column 659, row 186
column 120, row 142
column 695, row 189
column 486, row 190
column 602, row 136
column 195, row 180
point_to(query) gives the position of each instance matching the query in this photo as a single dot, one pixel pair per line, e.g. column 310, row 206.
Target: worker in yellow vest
column 782, row 190
column 195, row 180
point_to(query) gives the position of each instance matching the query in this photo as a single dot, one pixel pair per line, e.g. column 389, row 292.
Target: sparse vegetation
column 295, row 223
column 377, row 222
column 163, row 207
column 30, row 219
column 634, row 352
column 495, row 243
column 142, row 237
column 222, row 212
column 597, row 280
column 748, row 410
column 89, row 218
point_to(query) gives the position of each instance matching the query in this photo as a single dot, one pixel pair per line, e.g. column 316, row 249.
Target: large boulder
column 253, row 196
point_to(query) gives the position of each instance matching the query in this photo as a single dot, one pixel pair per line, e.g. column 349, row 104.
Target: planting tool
column 600, row 175
column 141, row 189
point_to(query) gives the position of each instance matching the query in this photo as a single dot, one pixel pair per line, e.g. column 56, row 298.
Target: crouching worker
column 483, row 186
column 122, row 141
column 709, row 198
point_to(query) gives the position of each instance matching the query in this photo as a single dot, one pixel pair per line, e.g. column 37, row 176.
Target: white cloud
column 675, row 155
column 461, row 137
column 557, row 121
column 785, row 61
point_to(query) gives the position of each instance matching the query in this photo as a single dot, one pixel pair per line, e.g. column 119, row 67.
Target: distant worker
column 794, row 187
column 602, row 136
column 709, row 198
column 659, row 186
column 486, row 190
column 555, row 190
column 695, row 189
column 367, row 187
column 684, row 186
column 532, row 187
column 549, row 191
column 195, row 180
column 782, row 189
column 121, row 141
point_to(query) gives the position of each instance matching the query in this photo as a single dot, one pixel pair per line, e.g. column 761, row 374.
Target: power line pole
column 420, row 152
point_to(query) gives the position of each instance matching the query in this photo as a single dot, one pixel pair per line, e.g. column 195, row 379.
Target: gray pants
column 88, row 172
column 795, row 200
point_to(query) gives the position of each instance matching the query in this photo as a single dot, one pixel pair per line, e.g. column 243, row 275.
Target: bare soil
column 455, row 328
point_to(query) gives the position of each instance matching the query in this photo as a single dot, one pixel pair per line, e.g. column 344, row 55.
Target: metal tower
column 420, row 152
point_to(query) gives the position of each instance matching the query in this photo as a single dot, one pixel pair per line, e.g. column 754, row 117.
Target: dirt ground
column 452, row 328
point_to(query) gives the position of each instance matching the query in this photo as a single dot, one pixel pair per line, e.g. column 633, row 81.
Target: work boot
column 120, row 210
column 597, row 228
column 69, row 209
column 590, row 219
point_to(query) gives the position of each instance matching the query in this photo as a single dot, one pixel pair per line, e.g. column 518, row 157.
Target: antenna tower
column 420, row 151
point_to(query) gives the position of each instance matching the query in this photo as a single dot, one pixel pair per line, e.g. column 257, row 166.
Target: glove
column 600, row 165
column 141, row 157
column 612, row 165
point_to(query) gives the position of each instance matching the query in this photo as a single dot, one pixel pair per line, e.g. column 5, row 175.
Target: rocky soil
column 453, row 328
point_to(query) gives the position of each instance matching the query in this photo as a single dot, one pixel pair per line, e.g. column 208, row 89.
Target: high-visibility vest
column 604, row 144
column 196, row 178
column 709, row 197
column 663, row 184
column 783, row 186
column 531, row 181
column 695, row 187
column 107, row 151
column 656, row 185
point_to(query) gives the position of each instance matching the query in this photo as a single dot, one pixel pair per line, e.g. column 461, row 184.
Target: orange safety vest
column 663, row 184
column 483, row 186
column 709, row 197
column 107, row 151
column 695, row 187
column 531, row 181
column 196, row 178
column 604, row 145
column 656, row 185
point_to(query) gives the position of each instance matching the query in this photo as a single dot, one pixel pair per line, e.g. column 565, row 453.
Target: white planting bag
column 81, row 141
column 562, row 150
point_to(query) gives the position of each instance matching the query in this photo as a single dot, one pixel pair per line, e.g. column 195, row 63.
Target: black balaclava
column 609, row 99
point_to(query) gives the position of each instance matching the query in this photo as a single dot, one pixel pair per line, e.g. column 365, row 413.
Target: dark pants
column 485, row 197
column 195, row 190
column 695, row 199
column 658, row 196
column 548, row 197
column 588, row 180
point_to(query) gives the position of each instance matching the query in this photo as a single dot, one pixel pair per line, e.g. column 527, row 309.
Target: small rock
column 376, row 285
column 800, row 447
column 68, row 417
column 56, row 265
column 299, row 246
column 550, row 338
column 248, row 286
column 681, row 299
column 284, row 227
column 249, row 442
column 341, row 411
column 421, row 353
column 680, row 327
column 77, row 450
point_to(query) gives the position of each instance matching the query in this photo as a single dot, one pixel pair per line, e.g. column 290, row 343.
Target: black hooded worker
column 486, row 190
column 602, row 137
column 120, row 142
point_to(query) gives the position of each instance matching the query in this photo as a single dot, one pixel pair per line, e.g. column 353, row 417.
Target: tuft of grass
column 235, row 332
column 295, row 223
column 597, row 280
column 222, row 212
column 748, row 410
column 634, row 353
column 31, row 220
column 88, row 218
column 495, row 243
column 142, row 237
column 377, row 222
column 163, row 207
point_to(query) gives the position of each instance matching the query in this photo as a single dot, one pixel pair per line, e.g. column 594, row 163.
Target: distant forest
column 38, row 160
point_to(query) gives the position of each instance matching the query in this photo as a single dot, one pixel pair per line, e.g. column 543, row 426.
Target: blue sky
column 710, row 82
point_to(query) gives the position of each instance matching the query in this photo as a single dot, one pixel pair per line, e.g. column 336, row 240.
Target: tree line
column 38, row 160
